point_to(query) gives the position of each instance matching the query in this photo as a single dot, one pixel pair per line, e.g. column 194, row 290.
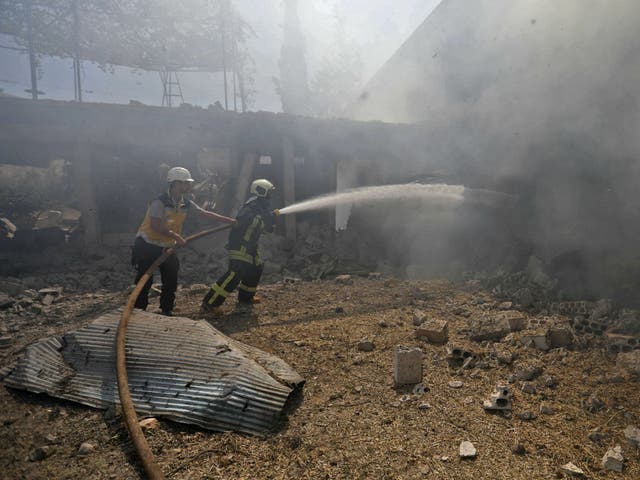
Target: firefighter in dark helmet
column 245, row 265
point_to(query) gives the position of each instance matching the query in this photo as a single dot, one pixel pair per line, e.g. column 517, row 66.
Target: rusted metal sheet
column 181, row 369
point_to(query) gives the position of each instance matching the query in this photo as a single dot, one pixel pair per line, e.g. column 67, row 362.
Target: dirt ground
column 348, row 422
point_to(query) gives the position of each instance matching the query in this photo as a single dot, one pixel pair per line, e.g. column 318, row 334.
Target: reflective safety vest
column 174, row 216
column 252, row 220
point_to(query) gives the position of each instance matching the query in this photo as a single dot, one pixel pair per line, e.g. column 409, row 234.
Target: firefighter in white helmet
column 245, row 266
column 162, row 228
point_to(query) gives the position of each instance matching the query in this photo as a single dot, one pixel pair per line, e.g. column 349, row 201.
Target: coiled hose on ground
column 130, row 418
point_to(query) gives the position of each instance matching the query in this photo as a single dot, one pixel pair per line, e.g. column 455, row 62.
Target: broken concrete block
column 56, row 291
column 48, row 299
column 613, row 459
column 433, row 330
column 148, row 423
column 365, row 345
column 456, row 357
column 488, row 328
column 560, row 337
column 527, row 373
column 596, row 435
column 85, row 448
column 526, row 416
column 41, row 453
column 572, row 470
column 500, row 399
column 536, row 340
column 419, row 317
column 344, row 279
column 291, row 280
column 467, row 450
column 546, row 409
column 622, row 343
column 155, row 290
column 407, row 366
column 629, row 361
column 504, row 355
column 420, row 389
column 516, row 320
column 7, row 228
column 632, row 434
column 198, row 288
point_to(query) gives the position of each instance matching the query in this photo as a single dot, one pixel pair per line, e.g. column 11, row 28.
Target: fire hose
column 128, row 410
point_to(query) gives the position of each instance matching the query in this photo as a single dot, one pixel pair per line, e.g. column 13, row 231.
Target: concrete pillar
column 245, row 176
column 346, row 177
column 85, row 191
column 407, row 366
column 289, row 185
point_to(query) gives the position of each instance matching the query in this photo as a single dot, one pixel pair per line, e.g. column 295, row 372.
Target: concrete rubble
column 85, row 448
column 630, row 362
column 467, row 450
column 572, row 470
column 632, row 434
column 407, row 366
column 613, row 459
column 365, row 345
column 457, row 356
column 433, row 330
column 500, row 399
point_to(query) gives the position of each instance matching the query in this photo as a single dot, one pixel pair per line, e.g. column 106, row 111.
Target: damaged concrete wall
column 117, row 157
column 123, row 151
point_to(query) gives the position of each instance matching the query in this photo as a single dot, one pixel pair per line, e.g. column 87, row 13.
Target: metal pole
column 32, row 55
column 76, row 58
column 243, row 99
column 223, row 12
column 224, row 71
column 235, row 64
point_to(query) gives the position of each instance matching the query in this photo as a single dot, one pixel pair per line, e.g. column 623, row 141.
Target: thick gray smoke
column 537, row 98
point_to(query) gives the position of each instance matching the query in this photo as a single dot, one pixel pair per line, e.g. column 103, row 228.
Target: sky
column 376, row 28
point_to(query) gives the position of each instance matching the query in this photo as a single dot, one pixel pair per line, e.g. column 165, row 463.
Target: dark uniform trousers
column 243, row 274
column 144, row 254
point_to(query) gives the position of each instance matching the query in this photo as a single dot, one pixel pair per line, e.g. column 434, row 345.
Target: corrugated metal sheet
column 178, row 368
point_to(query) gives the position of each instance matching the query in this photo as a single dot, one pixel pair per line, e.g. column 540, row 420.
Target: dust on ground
column 348, row 422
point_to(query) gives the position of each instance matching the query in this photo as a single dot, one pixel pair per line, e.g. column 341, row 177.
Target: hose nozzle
column 276, row 212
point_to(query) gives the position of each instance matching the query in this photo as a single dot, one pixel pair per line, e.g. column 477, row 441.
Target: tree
column 339, row 80
column 292, row 86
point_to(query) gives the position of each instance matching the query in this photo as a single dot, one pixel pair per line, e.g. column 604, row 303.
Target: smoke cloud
column 538, row 99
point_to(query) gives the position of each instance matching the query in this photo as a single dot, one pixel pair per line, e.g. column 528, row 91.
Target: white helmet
column 179, row 174
column 261, row 187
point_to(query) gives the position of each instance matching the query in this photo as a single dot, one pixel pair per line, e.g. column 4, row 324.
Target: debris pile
column 375, row 390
